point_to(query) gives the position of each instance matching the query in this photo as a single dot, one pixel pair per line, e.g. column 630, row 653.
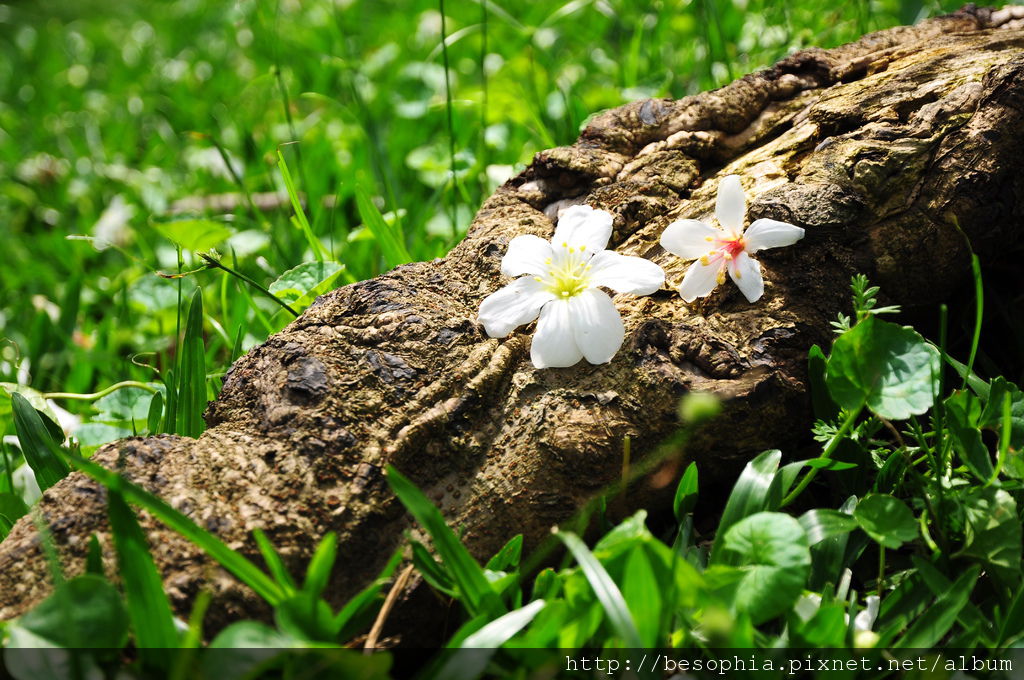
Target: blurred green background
column 135, row 134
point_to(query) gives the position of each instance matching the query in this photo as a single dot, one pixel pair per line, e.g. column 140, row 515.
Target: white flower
column 726, row 247
column 576, row 319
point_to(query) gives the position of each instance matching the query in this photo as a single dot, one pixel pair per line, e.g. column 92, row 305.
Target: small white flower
column 726, row 247
column 576, row 319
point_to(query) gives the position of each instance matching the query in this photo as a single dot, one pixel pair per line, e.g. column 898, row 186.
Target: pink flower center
column 732, row 246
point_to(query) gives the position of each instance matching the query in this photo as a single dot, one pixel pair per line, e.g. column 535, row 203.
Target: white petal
column 731, row 205
column 689, row 238
column 866, row 617
column 699, row 281
column 553, row 344
column 625, row 274
column 765, row 233
column 745, row 271
column 526, row 254
column 581, row 225
column 596, row 325
column 517, row 303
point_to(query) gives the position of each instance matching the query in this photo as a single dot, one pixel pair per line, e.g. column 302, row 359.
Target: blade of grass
column 390, row 243
column 214, row 262
column 449, row 119
column 192, row 372
column 358, row 606
column 41, row 452
column 148, row 607
column 156, row 411
column 192, row 640
column 469, row 578
column 979, row 311
column 926, row 632
column 319, row 570
column 608, row 594
column 274, row 562
column 319, row 252
column 750, row 493
column 234, row 562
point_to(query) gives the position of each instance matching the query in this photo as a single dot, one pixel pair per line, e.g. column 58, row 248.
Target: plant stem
column 214, row 262
column 881, row 569
column 102, row 393
column 833, row 443
column 451, row 123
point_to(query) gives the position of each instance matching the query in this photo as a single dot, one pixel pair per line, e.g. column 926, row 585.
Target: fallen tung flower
column 726, row 247
column 576, row 319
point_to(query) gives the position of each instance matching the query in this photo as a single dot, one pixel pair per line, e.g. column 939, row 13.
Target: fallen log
column 895, row 154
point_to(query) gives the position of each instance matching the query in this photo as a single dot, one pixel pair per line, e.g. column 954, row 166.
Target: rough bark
column 876, row 148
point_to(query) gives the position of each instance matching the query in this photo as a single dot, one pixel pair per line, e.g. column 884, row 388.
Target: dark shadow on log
column 877, row 148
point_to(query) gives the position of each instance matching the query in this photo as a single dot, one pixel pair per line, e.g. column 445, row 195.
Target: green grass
column 340, row 139
column 109, row 116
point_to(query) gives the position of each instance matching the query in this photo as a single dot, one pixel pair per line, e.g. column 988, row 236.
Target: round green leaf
column 193, row 234
column 83, row 612
column 774, row 560
column 300, row 280
column 886, row 519
column 887, row 367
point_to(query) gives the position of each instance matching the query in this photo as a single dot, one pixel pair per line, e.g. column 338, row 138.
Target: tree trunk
column 878, row 149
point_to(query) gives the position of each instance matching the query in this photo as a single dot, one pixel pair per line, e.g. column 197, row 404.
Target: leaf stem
column 830, row 448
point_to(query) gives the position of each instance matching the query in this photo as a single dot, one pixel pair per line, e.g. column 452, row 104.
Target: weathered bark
column 876, row 148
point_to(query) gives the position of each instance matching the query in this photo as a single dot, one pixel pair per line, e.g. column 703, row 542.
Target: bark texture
column 878, row 148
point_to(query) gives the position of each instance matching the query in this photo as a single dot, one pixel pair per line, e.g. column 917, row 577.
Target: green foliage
column 883, row 366
column 148, row 607
column 83, row 612
column 886, row 519
column 915, row 494
column 40, row 442
column 940, row 553
column 191, row 387
column 461, row 569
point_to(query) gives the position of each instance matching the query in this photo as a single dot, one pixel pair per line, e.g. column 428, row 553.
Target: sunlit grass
column 150, row 132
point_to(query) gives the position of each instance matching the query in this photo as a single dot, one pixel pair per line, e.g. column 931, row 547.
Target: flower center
column 568, row 272
column 732, row 246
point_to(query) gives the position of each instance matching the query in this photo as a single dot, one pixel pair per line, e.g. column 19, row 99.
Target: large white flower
column 576, row 319
column 726, row 248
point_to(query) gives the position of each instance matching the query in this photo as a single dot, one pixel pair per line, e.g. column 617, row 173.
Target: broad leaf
column 993, row 532
column 193, row 234
column 887, row 367
column 42, row 451
column 83, row 612
column 772, row 560
column 962, row 412
column 886, row 519
column 304, row 282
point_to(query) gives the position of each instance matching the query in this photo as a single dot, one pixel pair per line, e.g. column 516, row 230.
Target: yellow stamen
column 721, row 276
column 582, row 248
column 704, row 260
column 709, row 239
